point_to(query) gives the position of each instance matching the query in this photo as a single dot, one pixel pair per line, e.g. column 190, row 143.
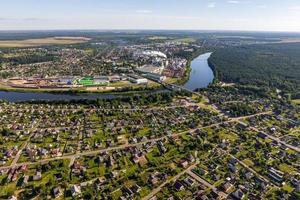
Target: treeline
column 138, row 99
column 192, row 55
column 241, row 109
column 27, row 59
column 268, row 65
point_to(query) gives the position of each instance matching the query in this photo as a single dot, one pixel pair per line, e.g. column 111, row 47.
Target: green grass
column 288, row 188
column 144, row 191
column 101, row 170
column 171, row 80
column 218, row 183
column 94, row 118
column 100, row 135
column 116, row 194
column 41, row 42
column 131, row 170
column 143, row 131
column 120, row 84
column 228, row 136
column 186, row 40
column 287, row 168
column 8, row 189
column 296, row 101
column 248, row 162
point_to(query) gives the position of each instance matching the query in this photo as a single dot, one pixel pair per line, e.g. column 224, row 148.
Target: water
column 201, row 74
column 200, row 77
column 37, row 96
column 28, row 96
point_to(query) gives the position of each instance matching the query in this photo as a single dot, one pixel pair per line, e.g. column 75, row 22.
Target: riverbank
column 200, row 75
column 113, row 89
column 127, row 89
column 190, row 59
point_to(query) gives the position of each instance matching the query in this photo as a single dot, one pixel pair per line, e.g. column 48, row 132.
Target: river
column 201, row 76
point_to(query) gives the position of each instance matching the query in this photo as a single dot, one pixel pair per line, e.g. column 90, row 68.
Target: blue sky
column 261, row 15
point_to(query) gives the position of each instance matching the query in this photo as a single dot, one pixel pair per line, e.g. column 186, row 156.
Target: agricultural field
column 42, row 42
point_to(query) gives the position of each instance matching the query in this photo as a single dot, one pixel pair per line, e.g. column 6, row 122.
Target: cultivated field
column 42, row 42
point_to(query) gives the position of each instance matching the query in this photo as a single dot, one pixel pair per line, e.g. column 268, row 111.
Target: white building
column 155, row 54
column 136, row 79
column 151, row 69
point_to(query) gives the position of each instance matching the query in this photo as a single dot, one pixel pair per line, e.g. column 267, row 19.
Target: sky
column 247, row 15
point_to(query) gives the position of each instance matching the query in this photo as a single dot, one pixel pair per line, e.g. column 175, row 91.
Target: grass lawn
column 248, row 162
column 171, row 80
column 287, row 168
column 143, row 131
column 144, row 191
column 218, row 183
column 8, row 189
column 228, row 136
column 296, row 101
column 158, row 38
column 131, row 170
column 116, row 194
column 120, row 84
column 288, row 188
column 186, row 40
column 94, row 117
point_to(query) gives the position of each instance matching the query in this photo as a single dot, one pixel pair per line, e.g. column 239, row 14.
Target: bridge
column 171, row 86
column 174, row 87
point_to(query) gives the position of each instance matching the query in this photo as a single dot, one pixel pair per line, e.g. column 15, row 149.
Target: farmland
column 42, row 42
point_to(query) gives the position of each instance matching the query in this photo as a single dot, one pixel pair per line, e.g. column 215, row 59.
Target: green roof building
column 86, row 81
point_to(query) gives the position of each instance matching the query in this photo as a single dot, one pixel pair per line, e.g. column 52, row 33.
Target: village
column 224, row 143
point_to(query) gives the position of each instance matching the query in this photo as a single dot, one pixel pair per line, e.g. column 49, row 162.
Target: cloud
column 143, row 11
column 20, row 19
column 294, row 8
column 261, row 6
column 211, row 5
column 233, row 2
column 239, row 2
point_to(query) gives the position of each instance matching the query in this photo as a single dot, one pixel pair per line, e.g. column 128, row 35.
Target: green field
column 296, row 101
column 42, row 42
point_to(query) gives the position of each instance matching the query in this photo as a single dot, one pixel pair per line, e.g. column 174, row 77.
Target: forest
column 269, row 66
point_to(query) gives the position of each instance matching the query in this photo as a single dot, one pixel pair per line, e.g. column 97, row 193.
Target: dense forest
column 268, row 65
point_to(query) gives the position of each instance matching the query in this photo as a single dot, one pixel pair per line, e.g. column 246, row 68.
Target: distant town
column 88, row 69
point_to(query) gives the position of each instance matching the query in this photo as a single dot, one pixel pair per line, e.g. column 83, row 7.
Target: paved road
column 112, row 109
column 174, row 178
column 250, row 116
column 173, row 86
column 246, row 166
column 119, row 147
column 24, row 145
column 87, row 153
column 277, row 140
column 207, row 184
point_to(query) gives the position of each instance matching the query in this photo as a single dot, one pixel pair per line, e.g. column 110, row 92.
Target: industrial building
column 137, row 79
column 150, row 69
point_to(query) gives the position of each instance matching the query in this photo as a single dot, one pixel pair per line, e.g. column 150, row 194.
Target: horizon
column 200, row 15
column 148, row 30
